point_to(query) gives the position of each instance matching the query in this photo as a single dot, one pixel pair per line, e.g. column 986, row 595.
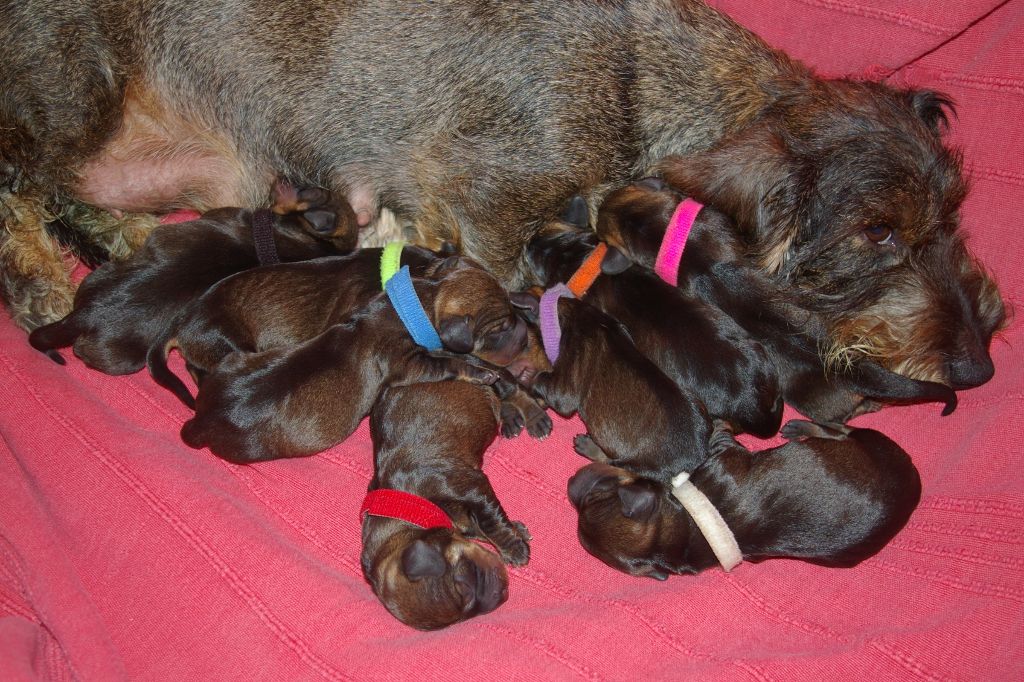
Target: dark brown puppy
column 297, row 400
column 698, row 346
column 559, row 98
column 123, row 308
column 716, row 269
column 835, row 496
column 631, row 409
column 432, row 578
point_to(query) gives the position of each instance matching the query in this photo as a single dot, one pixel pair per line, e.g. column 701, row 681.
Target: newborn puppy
column 292, row 401
column 834, row 496
column 715, row 269
column 698, row 346
column 432, row 578
column 123, row 307
column 632, row 411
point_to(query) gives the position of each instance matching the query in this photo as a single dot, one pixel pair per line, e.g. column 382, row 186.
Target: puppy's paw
column 585, row 445
column 796, row 429
column 538, row 423
column 512, row 421
column 523, row 531
column 516, row 552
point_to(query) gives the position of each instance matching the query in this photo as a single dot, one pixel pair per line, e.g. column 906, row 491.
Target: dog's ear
column 422, row 560
column 934, row 108
column 638, row 502
column 447, row 248
column 615, row 262
column 527, row 305
column 456, row 333
column 576, row 212
column 752, row 178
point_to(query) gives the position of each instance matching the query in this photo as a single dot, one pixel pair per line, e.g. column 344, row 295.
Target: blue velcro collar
column 410, row 310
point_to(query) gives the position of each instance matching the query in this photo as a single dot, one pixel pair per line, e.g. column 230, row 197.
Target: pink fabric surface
column 126, row 555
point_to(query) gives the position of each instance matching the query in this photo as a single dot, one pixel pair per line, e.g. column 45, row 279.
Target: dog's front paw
column 523, row 531
column 585, row 445
column 516, row 552
column 512, row 421
column 796, row 429
column 538, row 423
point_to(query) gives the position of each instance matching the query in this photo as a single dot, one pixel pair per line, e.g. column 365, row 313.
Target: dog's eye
column 880, row 234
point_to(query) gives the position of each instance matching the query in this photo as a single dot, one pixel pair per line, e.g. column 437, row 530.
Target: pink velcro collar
column 670, row 254
column 396, row 504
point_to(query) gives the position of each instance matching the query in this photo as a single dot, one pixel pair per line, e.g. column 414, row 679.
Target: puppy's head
column 629, row 523
column 848, row 195
column 433, row 578
column 475, row 315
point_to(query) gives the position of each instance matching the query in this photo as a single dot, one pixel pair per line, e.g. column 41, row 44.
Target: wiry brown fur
column 477, row 131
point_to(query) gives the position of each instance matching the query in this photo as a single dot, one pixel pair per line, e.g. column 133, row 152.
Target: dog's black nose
column 970, row 371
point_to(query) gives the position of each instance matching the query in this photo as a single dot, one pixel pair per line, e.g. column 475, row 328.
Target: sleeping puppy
column 123, row 307
column 631, row 409
column 715, row 269
column 698, row 346
column 430, row 578
column 834, row 496
column 292, row 401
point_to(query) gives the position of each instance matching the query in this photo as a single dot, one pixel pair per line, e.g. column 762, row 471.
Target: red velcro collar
column 396, row 504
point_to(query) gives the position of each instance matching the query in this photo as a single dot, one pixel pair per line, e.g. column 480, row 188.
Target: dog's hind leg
column 34, row 278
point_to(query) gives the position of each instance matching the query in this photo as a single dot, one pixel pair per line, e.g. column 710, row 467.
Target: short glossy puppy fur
column 834, row 496
column 432, row 578
column 297, row 400
column 124, row 307
column 716, row 269
column 631, row 409
column 698, row 346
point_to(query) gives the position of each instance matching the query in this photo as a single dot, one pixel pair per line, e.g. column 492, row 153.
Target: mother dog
column 474, row 121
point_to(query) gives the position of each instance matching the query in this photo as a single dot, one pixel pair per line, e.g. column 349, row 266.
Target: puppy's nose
column 491, row 590
column 582, row 482
column 969, row 371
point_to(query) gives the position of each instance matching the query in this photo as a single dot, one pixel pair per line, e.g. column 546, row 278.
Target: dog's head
column 848, row 195
column 433, row 578
column 628, row 522
column 474, row 314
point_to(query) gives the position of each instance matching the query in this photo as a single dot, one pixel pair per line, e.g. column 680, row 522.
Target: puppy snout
column 482, row 590
column 970, row 370
column 585, row 480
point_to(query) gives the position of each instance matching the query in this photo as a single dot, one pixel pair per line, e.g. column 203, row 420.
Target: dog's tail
column 877, row 383
column 156, row 363
column 61, row 334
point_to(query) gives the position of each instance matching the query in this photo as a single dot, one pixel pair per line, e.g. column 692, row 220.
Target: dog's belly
column 159, row 160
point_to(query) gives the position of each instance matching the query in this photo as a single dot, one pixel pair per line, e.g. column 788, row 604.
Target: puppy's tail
column 877, row 383
column 156, row 362
column 61, row 334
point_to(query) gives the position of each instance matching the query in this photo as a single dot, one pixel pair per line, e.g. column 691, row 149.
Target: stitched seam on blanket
column 289, row 638
column 545, row 648
column 983, row 83
column 561, row 590
column 904, row 660
column 873, row 13
column 818, row 630
column 973, row 505
column 994, row 174
column 966, row 555
column 1011, row 536
column 972, row 586
column 239, row 472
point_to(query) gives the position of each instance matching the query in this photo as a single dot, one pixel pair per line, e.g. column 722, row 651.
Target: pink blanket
column 124, row 554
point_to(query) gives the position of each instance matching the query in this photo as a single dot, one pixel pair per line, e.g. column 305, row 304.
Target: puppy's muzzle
column 482, row 590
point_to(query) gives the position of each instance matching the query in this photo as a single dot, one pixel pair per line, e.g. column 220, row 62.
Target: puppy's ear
column 638, row 502
column 752, row 178
column 456, row 333
column 615, row 262
column 934, row 108
column 527, row 305
column 447, row 248
column 576, row 212
column 422, row 560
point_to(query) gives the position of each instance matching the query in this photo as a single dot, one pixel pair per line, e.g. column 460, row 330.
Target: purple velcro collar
column 550, row 329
